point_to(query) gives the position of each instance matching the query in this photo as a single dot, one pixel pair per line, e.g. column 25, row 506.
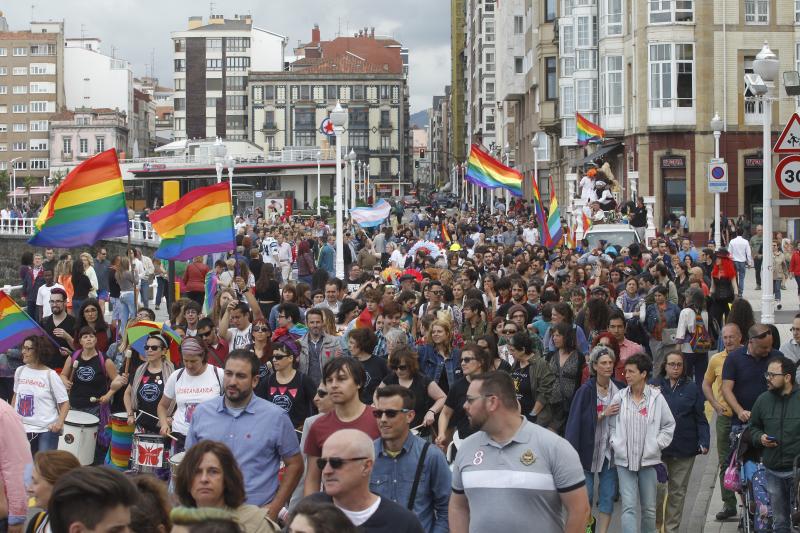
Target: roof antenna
column 211, row 8
column 32, row 9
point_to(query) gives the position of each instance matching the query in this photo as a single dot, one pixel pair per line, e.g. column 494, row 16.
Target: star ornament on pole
column 327, row 127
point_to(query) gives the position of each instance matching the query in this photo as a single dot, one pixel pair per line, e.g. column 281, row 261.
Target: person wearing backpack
column 90, row 378
column 693, row 330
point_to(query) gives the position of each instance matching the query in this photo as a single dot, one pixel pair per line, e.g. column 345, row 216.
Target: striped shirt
column 636, row 421
column 602, row 446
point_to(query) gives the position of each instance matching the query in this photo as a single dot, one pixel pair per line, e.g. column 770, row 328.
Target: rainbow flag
column 88, row 206
column 197, row 224
column 485, row 171
column 554, row 230
column 587, row 131
column 540, row 215
column 445, row 234
column 570, row 238
column 15, row 324
column 587, row 223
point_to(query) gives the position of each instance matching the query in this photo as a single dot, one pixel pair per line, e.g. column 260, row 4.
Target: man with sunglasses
column 435, row 291
column 347, row 460
column 743, row 373
column 773, row 427
column 547, row 471
column 207, row 331
column 398, row 453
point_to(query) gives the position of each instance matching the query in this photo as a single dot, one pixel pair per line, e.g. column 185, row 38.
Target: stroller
column 756, row 512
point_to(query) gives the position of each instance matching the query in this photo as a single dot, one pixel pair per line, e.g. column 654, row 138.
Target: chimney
column 248, row 19
column 216, row 19
column 195, row 22
column 315, row 37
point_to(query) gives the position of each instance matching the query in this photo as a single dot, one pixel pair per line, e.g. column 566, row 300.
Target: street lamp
column 507, row 151
column 535, row 147
column 766, row 66
column 716, row 127
column 230, row 164
column 220, row 150
column 12, row 180
column 319, row 192
column 339, row 119
column 351, row 157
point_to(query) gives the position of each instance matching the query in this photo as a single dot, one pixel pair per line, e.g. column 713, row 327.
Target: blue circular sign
column 718, row 173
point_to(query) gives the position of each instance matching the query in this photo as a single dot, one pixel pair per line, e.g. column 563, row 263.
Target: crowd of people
column 459, row 377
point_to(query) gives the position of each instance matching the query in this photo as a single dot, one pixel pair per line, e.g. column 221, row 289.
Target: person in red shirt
column 343, row 377
column 794, row 266
column 218, row 346
column 194, row 280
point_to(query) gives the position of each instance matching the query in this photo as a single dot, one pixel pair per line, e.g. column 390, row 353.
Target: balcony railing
column 141, row 231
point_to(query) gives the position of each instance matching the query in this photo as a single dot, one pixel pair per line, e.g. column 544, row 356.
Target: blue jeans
column 781, row 496
column 144, row 293
column 638, row 487
column 161, row 289
column 741, row 269
column 127, row 310
column 606, row 489
column 42, row 442
column 776, row 288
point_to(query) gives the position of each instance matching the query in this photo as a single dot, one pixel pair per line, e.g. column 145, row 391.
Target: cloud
column 138, row 30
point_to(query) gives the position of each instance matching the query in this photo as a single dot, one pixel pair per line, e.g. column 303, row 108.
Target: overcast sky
column 136, row 28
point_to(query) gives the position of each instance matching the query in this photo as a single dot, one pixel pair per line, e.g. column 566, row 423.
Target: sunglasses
column 261, row 329
column 390, row 413
column 468, row 359
column 204, row 333
column 279, row 357
column 151, row 347
column 509, row 331
column 437, row 293
column 322, row 393
column 398, row 367
column 336, row 462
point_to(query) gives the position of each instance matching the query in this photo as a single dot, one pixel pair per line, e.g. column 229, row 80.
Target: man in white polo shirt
column 512, row 473
column 742, row 257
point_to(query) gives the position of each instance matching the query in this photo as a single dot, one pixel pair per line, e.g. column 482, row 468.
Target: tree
column 4, row 186
column 28, row 183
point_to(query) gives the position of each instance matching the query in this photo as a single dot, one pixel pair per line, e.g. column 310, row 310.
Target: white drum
column 174, row 463
column 80, row 436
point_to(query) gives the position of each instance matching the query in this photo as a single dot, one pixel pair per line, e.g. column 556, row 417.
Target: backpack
column 700, row 340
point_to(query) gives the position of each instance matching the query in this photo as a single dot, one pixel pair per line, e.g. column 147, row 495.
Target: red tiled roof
column 376, row 52
column 349, row 64
column 27, row 35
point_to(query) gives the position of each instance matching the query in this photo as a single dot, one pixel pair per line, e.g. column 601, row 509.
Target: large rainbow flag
column 544, row 233
column 88, row 206
column 197, row 224
column 485, row 171
column 15, row 324
column 554, row 229
column 587, row 131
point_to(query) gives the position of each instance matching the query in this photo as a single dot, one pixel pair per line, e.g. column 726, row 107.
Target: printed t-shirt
column 189, row 392
column 35, row 391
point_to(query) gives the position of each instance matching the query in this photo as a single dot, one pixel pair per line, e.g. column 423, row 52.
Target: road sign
column 789, row 141
column 787, row 176
column 326, row 127
column 717, row 176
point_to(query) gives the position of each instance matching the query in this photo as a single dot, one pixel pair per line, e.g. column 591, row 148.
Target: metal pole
column 345, row 178
column 767, row 296
column 399, row 187
column 352, row 184
column 14, row 189
column 717, row 208
column 339, row 263
column 319, row 191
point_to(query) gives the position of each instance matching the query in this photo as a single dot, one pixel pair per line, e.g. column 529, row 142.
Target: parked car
column 410, row 201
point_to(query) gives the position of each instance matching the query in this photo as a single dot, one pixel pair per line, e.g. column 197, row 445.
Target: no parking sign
column 717, row 176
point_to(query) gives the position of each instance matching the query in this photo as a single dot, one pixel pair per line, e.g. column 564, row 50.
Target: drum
column 119, row 453
column 148, row 453
column 174, row 463
column 80, row 436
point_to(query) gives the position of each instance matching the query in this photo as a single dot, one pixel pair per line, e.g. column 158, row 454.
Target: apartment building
column 479, row 73
column 366, row 74
column 458, row 82
column 440, row 155
column 76, row 135
column 212, row 62
column 31, row 89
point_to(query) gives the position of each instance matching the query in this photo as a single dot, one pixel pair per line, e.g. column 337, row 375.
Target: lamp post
column 507, row 151
column 220, row 150
column 230, row 163
column 12, row 180
column 716, row 127
column 352, row 157
column 535, row 147
column 339, row 119
column 319, row 192
column 766, row 66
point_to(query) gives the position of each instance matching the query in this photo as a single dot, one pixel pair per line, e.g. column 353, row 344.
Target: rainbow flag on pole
column 197, row 224
column 539, row 210
column 485, row 171
column 88, row 206
column 588, row 131
column 554, row 230
column 15, row 324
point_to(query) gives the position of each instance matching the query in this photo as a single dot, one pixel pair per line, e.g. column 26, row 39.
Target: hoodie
column 660, row 427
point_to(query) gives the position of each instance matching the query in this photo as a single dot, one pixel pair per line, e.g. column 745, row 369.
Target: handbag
column 732, row 480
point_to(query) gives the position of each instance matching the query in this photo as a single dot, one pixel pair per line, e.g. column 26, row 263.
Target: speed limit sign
column 787, row 176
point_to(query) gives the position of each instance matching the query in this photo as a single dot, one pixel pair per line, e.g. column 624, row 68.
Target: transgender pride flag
column 369, row 217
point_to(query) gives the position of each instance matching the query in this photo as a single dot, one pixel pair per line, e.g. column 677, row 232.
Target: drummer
column 193, row 384
column 144, row 392
column 89, row 377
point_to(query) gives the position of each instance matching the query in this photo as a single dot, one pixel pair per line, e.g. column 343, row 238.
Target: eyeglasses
column 322, row 393
column 280, row 356
column 261, row 329
column 437, row 293
column 468, row 359
column 204, row 333
column 152, row 347
column 471, row 399
column 398, row 367
column 761, row 335
column 770, row 375
column 390, row 413
column 336, row 462
column 509, row 331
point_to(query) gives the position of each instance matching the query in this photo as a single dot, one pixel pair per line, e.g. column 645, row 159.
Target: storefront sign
column 753, row 162
column 673, row 162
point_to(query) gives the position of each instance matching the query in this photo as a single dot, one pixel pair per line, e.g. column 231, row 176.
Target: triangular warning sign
column 789, row 141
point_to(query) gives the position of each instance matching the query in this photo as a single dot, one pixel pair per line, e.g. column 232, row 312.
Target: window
column 359, row 139
column 40, row 106
column 519, row 24
column 796, row 11
column 567, row 66
column 304, row 119
column 39, row 164
column 358, row 92
column 489, row 30
column 179, row 104
column 671, row 75
column 20, row 165
column 3, row 71
column 237, row 63
column 551, row 82
column 385, row 92
column 43, row 69
column 490, row 91
column 269, row 92
column 3, row 52
column 100, row 144
column 213, row 64
column 613, row 17
column 235, row 83
column 212, row 44
column 386, row 142
column 19, row 108
column 611, row 82
column 39, row 125
column 20, row 146
column 84, row 146
column 43, row 87
column 666, row 11
column 211, row 102
column 237, row 44
column 518, row 65
column 305, row 138
column 20, row 51
column 490, row 122
column 385, row 168
column 20, row 71
column 567, row 40
column 568, row 101
column 40, row 145
column 543, row 152
column 756, row 11
column 586, row 96
column 358, row 117
column 180, row 65
column 386, row 121
column 43, row 49
column 3, row 89
column 587, row 59
column 19, row 128
column 180, row 83
column 489, row 65
column 20, row 89
column 269, row 140
column 180, row 45
column 305, row 92
column 332, row 92
column 66, row 143
column 235, row 101
column 3, row 147
column 585, row 32
column 3, row 128
column 269, row 120
column 549, row 10
column 3, row 108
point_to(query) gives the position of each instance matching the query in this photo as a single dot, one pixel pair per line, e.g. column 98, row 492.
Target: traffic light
column 416, row 163
column 422, row 153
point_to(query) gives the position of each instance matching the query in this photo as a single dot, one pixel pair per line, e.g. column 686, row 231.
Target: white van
column 619, row 235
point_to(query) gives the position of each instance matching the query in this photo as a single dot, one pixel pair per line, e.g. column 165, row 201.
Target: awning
column 601, row 151
column 20, row 192
column 174, row 146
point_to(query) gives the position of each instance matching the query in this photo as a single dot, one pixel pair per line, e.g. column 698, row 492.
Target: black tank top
column 88, row 379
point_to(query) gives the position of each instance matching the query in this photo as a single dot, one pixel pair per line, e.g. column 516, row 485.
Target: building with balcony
column 212, row 63
column 365, row 73
column 440, row 154
column 458, row 84
column 481, row 63
column 31, row 89
column 77, row 135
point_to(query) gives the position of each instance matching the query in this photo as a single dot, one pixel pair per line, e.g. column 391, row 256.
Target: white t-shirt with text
column 38, row 393
column 189, row 392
